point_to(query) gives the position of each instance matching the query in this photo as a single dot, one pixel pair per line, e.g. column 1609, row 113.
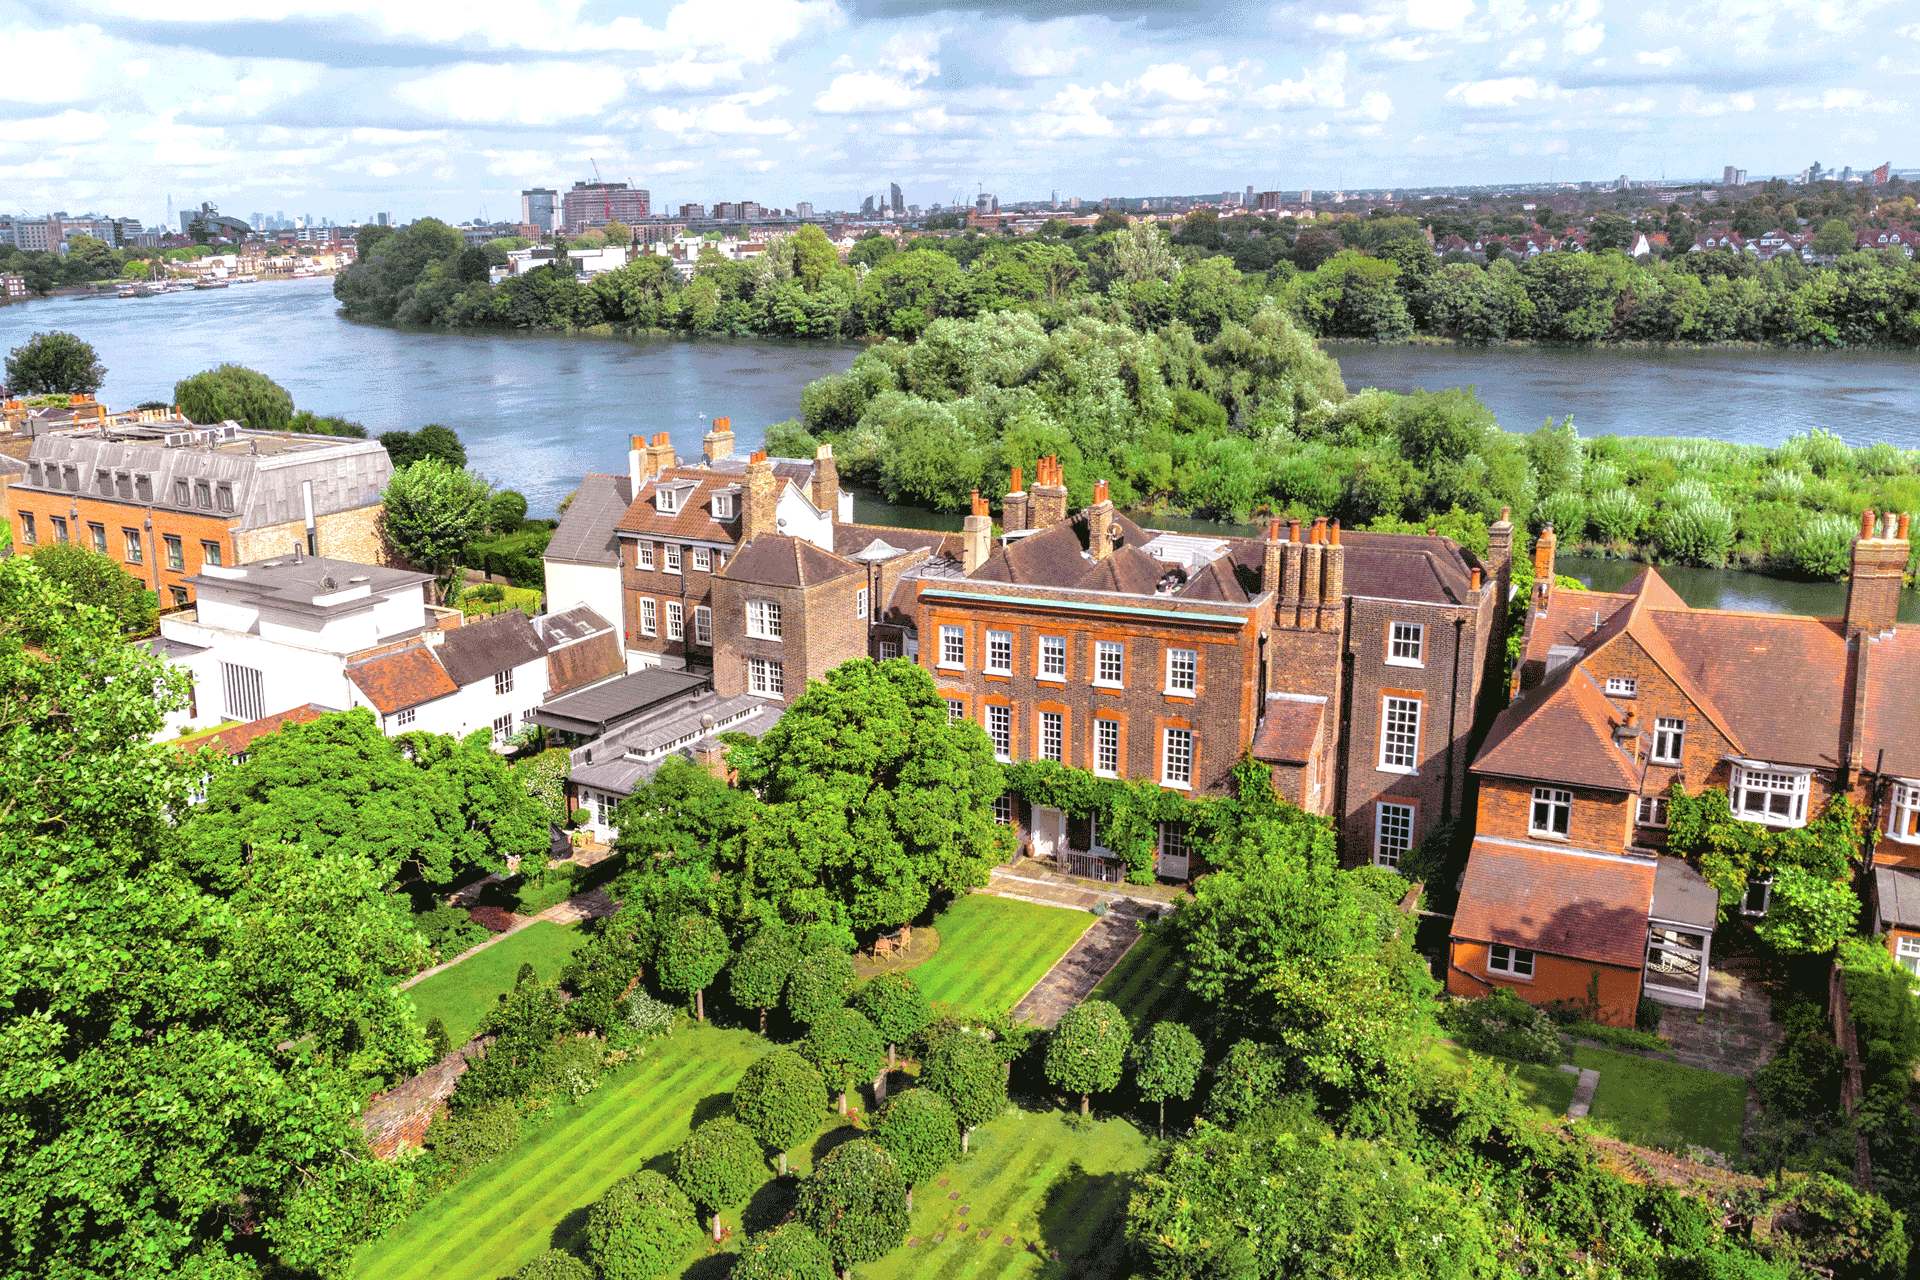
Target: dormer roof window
column 666, row 501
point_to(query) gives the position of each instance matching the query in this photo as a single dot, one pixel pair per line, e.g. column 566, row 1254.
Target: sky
column 347, row 107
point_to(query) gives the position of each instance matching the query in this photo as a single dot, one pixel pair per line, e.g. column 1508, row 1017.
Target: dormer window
column 1903, row 817
column 666, row 501
column 723, row 508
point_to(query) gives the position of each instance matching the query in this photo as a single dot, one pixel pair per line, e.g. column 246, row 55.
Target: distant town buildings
column 540, row 207
column 595, row 204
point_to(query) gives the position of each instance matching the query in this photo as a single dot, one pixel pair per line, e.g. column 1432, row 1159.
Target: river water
column 536, row 411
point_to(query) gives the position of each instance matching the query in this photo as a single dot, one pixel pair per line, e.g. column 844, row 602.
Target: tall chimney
column 1333, row 583
column 1047, row 505
column 1543, row 570
column 826, row 483
column 1879, row 563
column 1310, row 574
column 639, row 464
column 1296, row 566
column 976, row 535
column 758, row 501
column 1273, row 562
column 718, row 443
column 1100, row 523
column 1013, row 508
column 663, row 455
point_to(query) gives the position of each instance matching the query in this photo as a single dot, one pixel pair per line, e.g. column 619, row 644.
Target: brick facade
column 1554, row 978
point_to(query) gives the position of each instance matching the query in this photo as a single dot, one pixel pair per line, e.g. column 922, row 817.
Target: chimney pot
column 1866, row 523
column 1014, row 485
column 1906, row 518
column 1273, row 529
column 1293, row 531
column 1476, row 580
column 759, row 455
column 1333, row 531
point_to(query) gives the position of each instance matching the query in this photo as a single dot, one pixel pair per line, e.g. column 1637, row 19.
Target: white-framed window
column 1000, row 652
column 764, row 676
column 30, row 535
column 503, row 727
column 1176, row 758
column 134, row 553
column 1392, row 833
column 1053, row 735
column 763, row 619
column 603, row 806
column 1757, row 898
column 1109, row 662
column 723, row 506
column 503, row 681
column 1516, row 962
column 1053, row 657
column 644, row 555
column 403, row 717
column 672, row 564
column 1903, row 813
column 676, row 620
column 702, row 625
column 1406, row 644
column 243, row 689
column 1176, row 850
column 956, row 710
column 860, row 603
column 1106, row 748
column 666, row 501
column 953, row 646
column 1778, row 799
column 1399, row 734
column 1669, row 736
column 1906, row 953
column 1552, row 812
column 649, row 616
column 1183, row 670
column 1652, row 811
column 889, row 649
column 1000, row 729
column 1003, row 809
column 1622, row 686
column 703, row 559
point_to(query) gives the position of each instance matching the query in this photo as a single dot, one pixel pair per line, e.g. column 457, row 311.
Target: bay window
column 1771, row 796
column 1903, row 817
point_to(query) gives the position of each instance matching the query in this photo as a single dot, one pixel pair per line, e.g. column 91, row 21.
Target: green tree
column 788, row 1252
column 1167, row 1063
column 1834, row 239
column 964, row 1069
column 818, row 984
column 1087, row 1050
column 90, row 578
column 56, row 364
column 555, row 1264
column 90, row 258
column 846, row 1048
column 903, row 294
column 813, row 256
column 507, row 511
column 439, row 1043
column 779, row 1099
column 430, row 441
column 897, row 1008
column 871, row 250
column 432, row 511
column 640, row 1228
column 691, row 952
column 856, row 1203
column 759, row 974
column 919, row 1131
column 235, row 393
column 1809, row 913
column 718, row 1166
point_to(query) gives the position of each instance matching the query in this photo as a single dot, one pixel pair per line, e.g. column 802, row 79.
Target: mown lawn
column 461, row 996
column 1548, row 1090
column 1664, row 1104
column 1149, row 985
column 992, row 951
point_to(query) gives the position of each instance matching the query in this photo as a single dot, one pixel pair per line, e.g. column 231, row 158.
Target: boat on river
column 210, row 284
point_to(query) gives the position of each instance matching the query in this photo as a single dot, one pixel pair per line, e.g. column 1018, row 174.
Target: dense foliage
column 788, row 1252
column 432, row 510
column 856, row 1202
column 780, row 1099
column 235, row 393
column 88, row 577
column 54, row 363
column 1087, row 1050
column 640, row 1228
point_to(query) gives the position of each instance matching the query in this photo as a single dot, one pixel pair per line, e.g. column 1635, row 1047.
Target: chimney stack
column 1296, row 558
column 1543, row 570
column 826, row 483
column 1013, row 509
column 663, row 455
column 1273, row 563
column 1100, row 523
column 639, row 464
column 757, row 501
column 1333, row 584
column 1879, row 565
column 1311, row 573
column 1047, row 506
column 976, row 535
column 718, row 443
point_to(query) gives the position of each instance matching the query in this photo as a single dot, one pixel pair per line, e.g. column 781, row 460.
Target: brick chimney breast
column 1273, row 562
column 1333, row 582
column 1100, row 523
column 718, row 443
column 976, row 535
column 1296, row 557
column 1013, row 508
column 1878, row 567
column 758, row 501
column 639, row 463
column 1047, row 504
column 826, row 483
column 1543, row 569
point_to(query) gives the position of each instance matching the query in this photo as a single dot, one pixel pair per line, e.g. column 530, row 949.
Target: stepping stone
column 943, row 1182
column 913, row 1242
column 954, row 1195
column 1583, row 1094
column 1007, row 1240
column 939, row 1237
column 985, row 1232
column 1569, row 1068
column 965, row 1209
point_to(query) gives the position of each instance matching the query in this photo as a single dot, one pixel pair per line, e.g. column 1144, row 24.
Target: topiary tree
column 819, row 983
column 1167, row 1064
column 779, row 1099
column 846, row 1047
column 555, row 1264
column 759, row 973
column 718, row 1166
column 788, row 1252
column 919, row 1130
column 1087, row 1050
column 897, row 1007
column 640, row 1228
column 54, row 364
column 965, row 1070
column 856, row 1203
column 237, row 393
column 691, row 952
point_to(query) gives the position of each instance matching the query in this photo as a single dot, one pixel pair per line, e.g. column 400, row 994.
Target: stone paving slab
column 1075, row 975
column 1735, row 1034
column 1583, row 1093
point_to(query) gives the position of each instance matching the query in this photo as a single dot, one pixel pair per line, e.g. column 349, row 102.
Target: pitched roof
column 1777, row 683
column 1289, row 728
column 240, row 737
column 585, row 662
column 852, row 540
column 1406, row 566
column 476, row 649
column 570, row 625
column 693, row 520
column 407, row 678
column 1893, row 693
column 779, row 560
column 1560, row 731
column 586, row 532
column 1566, row 902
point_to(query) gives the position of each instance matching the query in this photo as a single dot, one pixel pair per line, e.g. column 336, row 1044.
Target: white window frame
column 1903, row 813
column 1906, row 953
column 1053, row 659
column 1106, row 745
column 666, row 501
column 242, row 692
column 1767, row 784
column 1053, row 736
column 643, row 555
column 1392, row 833
column 603, row 806
column 1623, row 687
column 703, row 625
column 889, row 649
column 1183, row 672
column 766, row 677
column 1651, row 811
column 503, row 681
column 671, row 563
column 502, row 728
column 649, row 616
column 999, row 653
column 860, row 603
column 1669, row 740
column 999, row 723
column 1513, row 962
column 403, row 717
column 136, row 550
column 953, row 646
column 1110, row 655
column 676, row 620
column 763, row 619
column 703, row 559
column 956, row 710
column 1550, row 817
column 1003, row 809
column 1766, row 897
column 1406, row 644
column 723, row 506
column 1176, row 758
column 1400, row 746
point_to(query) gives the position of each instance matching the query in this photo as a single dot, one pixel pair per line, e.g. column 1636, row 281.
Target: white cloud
column 726, row 117
column 1323, row 84
column 862, row 92
column 1353, row 24
column 69, row 126
column 1072, row 114
column 525, row 93
column 1583, row 40
column 1377, row 106
column 1832, row 100
column 1669, row 57
column 1438, row 15
column 1632, row 107
column 687, row 72
column 1505, row 92
column 1524, row 52
column 1177, row 82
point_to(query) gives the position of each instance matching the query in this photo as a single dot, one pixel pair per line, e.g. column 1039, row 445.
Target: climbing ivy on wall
column 1812, row 905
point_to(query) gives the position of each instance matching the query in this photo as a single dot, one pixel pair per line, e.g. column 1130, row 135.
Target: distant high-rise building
column 804, row 209
column 540, row 207
column 382, row 219
column 1306, row 195
column 898, row 201
column 693, row 211
column 1247, row 202
column 1073, row 202
column 866, row 206
column 594, row 204
column 259, row 221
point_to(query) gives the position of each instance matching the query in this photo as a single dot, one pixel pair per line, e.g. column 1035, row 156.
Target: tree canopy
column 856, row 1202
column 780, row 1098
column 88, row 577
column 54, row 363
column 432, row 511
column 235, row 393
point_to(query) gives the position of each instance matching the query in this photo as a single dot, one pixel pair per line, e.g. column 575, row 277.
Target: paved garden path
column 590, row 905
column 1034, row 880
column 1735, row 1034
column 1075, row 975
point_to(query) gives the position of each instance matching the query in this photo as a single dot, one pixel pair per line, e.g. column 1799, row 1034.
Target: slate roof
column 595, row 710
column 851, row 540
column 1565, row 902
column 584, row 662
column 1560, row 731
column 479, row 647
column 1405, row 566
column 779, row 560
column 406, row 678
column 586, row 532
column 1896, row 892
column 605, row 765
column 1683, row 896
column 1289, row 728
column 570, row 625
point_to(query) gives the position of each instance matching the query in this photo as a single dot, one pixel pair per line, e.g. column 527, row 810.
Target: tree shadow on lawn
column 1080, row 1234
column 831, row 1139
column 715, row 1266
column 570, row 1233
column 711, row 1107
column 770, row 1205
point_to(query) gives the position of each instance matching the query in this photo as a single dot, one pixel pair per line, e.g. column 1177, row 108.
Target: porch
column 1070, row 845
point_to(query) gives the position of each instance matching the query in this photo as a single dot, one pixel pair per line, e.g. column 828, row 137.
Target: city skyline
column 348, row 112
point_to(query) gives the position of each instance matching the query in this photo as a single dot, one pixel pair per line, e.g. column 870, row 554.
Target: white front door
column 1049, row 832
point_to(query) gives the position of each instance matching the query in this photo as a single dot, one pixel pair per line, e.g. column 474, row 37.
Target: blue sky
column 445, row 109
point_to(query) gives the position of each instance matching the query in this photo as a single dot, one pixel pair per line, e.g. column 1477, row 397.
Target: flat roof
column 593, row 710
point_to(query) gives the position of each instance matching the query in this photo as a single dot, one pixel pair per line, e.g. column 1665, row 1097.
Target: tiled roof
column 851, row 539
column 474, row 651
column 240, row 737
column 1893, row 703
column 694, row 521
column 1565, row 902
column 1289, row 729
column 1777, row 682
column 585, row 662
column 1560, row 731
column 585, row 535
column 394, row 681
column 1405, row 566
column 778, row 560
column 569, row 625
